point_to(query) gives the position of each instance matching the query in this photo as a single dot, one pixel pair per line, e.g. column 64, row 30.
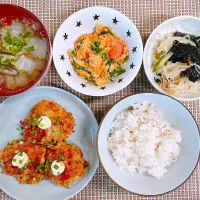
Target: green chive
column 125, row 59
column 73, row 146
column 20, row 162
column 70, row 114
column 21, row 134
column 14, row 160
column 17, row 129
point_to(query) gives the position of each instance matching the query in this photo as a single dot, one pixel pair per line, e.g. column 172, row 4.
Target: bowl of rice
column 145, row 140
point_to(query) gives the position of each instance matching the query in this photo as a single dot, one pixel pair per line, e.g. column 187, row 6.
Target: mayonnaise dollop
column 20, row 159
column 44, row 122
column 57, row 167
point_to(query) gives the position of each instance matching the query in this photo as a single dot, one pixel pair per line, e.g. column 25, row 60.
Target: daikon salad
column 23, row 53
column 176, row 64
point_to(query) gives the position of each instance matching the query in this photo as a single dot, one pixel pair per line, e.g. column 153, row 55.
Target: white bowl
column 185, row 24
column 72, row 31
column 178, row 172
column 18, row 107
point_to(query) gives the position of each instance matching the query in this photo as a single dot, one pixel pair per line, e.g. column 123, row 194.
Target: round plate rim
column 158, row 88
column 92, row 114
column 100, row 125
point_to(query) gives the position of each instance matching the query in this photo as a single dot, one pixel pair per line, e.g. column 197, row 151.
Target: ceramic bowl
column 15, row 12
column 178, row 172
column 84, row 21
column 184, row 24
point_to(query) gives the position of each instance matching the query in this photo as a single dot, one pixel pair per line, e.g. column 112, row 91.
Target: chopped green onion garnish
column 56, row 132
column 20, row 162
column 21, row 72
column 33, row 132
column 125, row 59
column 70, row 114
column 21, row 133
column 3, row 67
column 20, row 153
column 34, row 141
column 13, row 142
column 55, row 166
column 14, row 160
column 24, row 167
column 17, row 129
column 31, row 48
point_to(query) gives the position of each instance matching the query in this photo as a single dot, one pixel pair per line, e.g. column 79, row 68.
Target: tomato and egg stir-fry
column 99, row 56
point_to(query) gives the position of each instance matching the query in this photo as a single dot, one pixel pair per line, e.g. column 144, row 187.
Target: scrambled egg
column 99, row 56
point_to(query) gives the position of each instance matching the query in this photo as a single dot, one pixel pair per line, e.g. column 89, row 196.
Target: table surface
column 146, row 15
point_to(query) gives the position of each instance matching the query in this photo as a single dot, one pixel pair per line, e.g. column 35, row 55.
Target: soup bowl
column 12, row 12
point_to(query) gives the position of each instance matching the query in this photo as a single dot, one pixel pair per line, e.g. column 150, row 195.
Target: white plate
column 18, row 107
column 184, row 24
column 72, row 30
column 178, row 172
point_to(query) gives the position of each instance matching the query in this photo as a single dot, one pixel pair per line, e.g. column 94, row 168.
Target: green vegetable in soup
column 30, row 48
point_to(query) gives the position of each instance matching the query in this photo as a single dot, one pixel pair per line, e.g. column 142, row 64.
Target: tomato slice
column 116, row 49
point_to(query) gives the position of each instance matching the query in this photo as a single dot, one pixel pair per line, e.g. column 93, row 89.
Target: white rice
column 141, row 139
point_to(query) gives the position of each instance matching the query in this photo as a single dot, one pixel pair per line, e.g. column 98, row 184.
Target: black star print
column 102, row 88
column 128, row 33
column 96, row 17
column 68, row 73
column 65, row 36
column 78, row 24
column 120, row 80
column 134, row 49
column 131, row 66
column 83, row 85
column 115, row 20
column 62, row 57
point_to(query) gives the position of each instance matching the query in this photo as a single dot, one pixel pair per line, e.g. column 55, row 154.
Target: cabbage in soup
column 23, row 53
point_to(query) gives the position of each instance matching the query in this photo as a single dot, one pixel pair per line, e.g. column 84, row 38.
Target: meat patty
column 29, row 173
column 74, row 162
column 62, row 124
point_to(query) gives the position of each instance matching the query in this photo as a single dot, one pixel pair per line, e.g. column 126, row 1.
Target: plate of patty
column 66, row 161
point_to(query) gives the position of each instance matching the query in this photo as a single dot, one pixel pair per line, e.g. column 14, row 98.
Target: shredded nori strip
column 184, row 52
column 192, row 74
